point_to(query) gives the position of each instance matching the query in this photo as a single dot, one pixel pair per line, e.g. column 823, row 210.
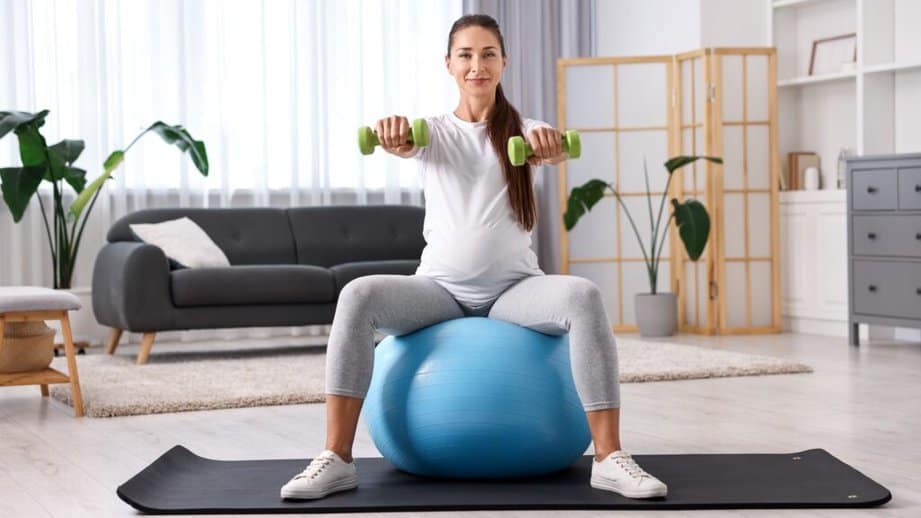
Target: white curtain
column 276, row 90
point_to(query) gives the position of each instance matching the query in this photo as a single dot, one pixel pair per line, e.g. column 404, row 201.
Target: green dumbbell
column 367, row 139
column 519, row 150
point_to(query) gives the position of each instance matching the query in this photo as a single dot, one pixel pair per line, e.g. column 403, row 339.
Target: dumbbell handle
column 529, row 152
column 418, row 136
column 519, row 149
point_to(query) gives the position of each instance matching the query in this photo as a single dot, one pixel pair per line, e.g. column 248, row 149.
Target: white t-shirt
column 475, row 247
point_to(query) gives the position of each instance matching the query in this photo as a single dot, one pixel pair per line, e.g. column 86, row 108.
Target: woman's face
column 476, row 61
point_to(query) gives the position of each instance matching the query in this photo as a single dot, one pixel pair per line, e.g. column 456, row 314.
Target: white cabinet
column 813, row 233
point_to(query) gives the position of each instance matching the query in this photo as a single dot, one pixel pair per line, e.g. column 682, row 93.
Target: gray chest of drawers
column 884, row 241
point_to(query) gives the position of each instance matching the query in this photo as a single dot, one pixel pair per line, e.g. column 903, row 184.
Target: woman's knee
column 362, row 291
column 580, row 291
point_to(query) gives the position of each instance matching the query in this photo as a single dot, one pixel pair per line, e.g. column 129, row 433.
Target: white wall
column 644, row 27
column 733, row 23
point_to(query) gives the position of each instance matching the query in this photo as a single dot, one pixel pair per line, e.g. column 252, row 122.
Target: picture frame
column 834, row 54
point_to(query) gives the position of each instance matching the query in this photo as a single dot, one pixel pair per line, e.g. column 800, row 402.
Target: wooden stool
column 22, row 304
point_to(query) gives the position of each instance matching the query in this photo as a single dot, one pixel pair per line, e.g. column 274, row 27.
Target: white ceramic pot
column 656, row 315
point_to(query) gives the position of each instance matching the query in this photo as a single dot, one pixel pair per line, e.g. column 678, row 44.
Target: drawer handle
column 871, row 235
column 871, row 189
column 872, row 288
column 918, row 291
column 918, row 188
column 918, row 236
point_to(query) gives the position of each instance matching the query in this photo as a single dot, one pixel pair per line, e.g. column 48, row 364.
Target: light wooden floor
column 862, row 405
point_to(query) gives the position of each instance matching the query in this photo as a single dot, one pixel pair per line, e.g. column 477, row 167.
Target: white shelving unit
column 870, row 109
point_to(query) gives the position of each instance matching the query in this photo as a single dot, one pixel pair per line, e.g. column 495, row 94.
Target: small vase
column 656, row 314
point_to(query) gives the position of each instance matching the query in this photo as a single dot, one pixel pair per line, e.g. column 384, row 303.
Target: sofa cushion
column 245, row 235
column 331, row 235
column 343, row 273
column 255, row 284
column 183, row 242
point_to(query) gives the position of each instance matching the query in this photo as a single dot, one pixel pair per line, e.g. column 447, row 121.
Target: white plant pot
column 656, row 315
column 83, row 323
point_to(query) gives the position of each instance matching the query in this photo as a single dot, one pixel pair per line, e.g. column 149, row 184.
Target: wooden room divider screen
column 639, row 111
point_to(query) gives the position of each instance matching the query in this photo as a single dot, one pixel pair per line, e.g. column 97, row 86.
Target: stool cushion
column 34, row 298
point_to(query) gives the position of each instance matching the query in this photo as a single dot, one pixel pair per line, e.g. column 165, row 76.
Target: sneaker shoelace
column 630, row 466
column 316, row 466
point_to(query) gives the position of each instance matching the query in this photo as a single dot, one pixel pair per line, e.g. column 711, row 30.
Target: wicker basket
column 27, row 346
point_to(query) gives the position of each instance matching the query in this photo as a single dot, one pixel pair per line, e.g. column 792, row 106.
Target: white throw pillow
column 182, row 241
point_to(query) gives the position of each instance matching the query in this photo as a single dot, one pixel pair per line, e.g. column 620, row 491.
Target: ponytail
column 505, row 123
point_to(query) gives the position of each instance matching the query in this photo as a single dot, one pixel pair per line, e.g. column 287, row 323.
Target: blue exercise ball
column 475, row 398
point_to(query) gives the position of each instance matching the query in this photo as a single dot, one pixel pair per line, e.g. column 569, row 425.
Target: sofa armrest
column 131, row 287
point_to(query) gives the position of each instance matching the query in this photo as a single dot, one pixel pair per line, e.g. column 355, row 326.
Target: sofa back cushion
column 331, row 235
column 245, row 235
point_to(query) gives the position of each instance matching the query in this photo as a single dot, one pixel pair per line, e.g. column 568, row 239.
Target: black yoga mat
column 182, row 482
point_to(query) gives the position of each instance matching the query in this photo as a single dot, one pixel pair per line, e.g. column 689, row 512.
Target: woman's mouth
column 479, row 81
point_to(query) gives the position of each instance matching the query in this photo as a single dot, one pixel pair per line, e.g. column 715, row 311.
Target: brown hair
column 504, row 123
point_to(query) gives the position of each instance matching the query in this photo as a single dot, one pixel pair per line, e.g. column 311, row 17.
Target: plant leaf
column 693, row 226
column 179, row 137
column 581, row 200
column 31, row 144
column 18, row 185
column 678, row 162
column 112, row 162
column 67, row 150
column 9, row 121
column 76, row 178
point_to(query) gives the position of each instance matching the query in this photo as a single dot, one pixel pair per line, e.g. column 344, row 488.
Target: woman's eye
column 465, row 56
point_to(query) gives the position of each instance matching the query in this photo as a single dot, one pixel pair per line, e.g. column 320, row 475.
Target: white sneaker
column 326, row 474
column 618, row 472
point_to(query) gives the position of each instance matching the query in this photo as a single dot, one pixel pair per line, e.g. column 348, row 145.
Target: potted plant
column 55, row 165
column 656, row 313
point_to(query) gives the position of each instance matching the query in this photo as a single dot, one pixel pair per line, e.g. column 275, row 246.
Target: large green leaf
column 63, row 155
column 67, row 150
column 18, row 185
column 32, row 145
column 675, row 163
column 179, row 137
column 693, row 226
column 9, row 121
column 76, row 178
column 112, row 162
column 581, row 200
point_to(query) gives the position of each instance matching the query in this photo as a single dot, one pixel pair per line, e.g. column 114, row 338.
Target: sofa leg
column 114, row 336
column 146, row 344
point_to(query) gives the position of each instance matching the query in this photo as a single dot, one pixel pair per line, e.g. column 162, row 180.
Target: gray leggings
column 400, row 304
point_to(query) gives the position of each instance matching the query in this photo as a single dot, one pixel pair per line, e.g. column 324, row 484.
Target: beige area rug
column 205, row 376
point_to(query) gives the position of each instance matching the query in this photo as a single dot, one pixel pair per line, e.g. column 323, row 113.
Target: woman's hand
column 393, row 134
column 547, row 144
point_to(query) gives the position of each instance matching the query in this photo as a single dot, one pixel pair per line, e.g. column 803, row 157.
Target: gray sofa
column 287, row 267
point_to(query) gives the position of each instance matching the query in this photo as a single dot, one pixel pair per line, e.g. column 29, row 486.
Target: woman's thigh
column 397, row 304
column 548, row 303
